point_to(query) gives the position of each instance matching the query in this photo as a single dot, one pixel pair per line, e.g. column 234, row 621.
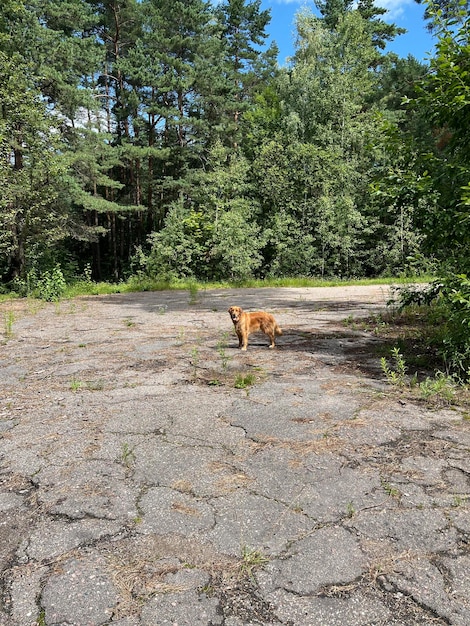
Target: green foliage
column 448, row 303
column 195, row 357
column 213, row 234
column 251, row 560
column 350, row 510
column 398, row 195
column 51, row 285
column 441, row 389
column 444, row 99
column 247, row 68
column 391, row 491
column 221, row 349
column 380, row 31
column 8, row 319
column 396, row 372
column 438, row 10
column 160, row 139
column 455, row 297
column 180, row 249
column 314, row 175
column 75, row 385
column 32, row 172
column 127, row 456
column 242, row 381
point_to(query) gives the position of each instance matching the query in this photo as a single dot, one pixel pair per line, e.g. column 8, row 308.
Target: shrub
column 51, row 286
column 450, row 296
column 455, row 295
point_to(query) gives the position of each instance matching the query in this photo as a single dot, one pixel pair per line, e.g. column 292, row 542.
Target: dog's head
column 235, row 312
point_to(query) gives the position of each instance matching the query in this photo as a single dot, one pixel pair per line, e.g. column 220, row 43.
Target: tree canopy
column 164, row 136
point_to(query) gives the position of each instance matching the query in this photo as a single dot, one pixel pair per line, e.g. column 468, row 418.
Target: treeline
column 161, row 137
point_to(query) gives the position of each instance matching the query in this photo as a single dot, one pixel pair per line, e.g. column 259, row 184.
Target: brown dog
column 246, row 323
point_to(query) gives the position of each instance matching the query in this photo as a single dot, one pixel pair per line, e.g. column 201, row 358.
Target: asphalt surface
column 151, row 473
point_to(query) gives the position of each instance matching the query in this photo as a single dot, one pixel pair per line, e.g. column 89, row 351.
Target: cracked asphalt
column 153, row 474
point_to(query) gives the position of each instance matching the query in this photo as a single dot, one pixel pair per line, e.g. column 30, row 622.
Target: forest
column 161, row 138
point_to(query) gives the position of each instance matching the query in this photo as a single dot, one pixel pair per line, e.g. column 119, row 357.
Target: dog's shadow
column 343, row 348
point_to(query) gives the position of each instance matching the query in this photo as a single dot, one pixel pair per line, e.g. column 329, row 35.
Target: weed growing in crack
column 389, row 489
column 75, row 384
column 195, row 360
column 221, row 349
column 396, row 373
column 181, row 336
column 459, row 500
column 127, row 457
column 92, row 385
column 251, row 560
column 350, row 510
column 442, row 388
column 242, row 381
column 8, row 319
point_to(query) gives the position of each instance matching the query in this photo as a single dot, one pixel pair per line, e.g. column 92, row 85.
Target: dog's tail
column 277, row 330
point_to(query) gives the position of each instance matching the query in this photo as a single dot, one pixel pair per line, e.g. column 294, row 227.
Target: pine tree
column 332, row 10
column 381, row 32
column 168, row 70
column 243, row 29
column 32, row 173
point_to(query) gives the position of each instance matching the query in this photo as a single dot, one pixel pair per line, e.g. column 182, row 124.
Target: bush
column 450, row 296
column 455, row 295
column 51, row 286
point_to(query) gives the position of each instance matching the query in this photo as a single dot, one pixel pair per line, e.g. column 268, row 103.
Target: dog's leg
column 240, row 338
column 269, row 329
column 244, row 339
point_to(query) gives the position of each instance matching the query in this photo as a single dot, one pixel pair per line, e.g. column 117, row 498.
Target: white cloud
column 395, row 8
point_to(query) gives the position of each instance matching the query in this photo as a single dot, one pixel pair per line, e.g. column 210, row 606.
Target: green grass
column 7, row 296
column 193, row 287
column 9, row 318
column 320, row 282
column 251, row 560
column 139, row 284
column 242, row 381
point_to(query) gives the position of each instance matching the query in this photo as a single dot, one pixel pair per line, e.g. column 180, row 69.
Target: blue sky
column 404, row 13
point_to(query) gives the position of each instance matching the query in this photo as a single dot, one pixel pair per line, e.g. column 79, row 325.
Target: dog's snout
column 233, row 314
